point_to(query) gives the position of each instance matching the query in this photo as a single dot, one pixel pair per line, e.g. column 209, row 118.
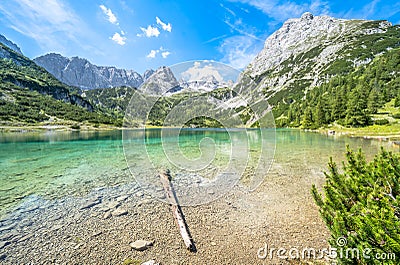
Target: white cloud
column 239, row 51
column 51, row 23
column 242, row 28
column 111, row 17
column 283, row 10
column 228, row 10
column 152, row 54
column 118, row 38
column 166, row 27
column 215, row 39
column 149, row 32
column 165, row 54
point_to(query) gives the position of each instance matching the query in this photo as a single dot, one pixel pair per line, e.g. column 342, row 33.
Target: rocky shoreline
column 101, row 227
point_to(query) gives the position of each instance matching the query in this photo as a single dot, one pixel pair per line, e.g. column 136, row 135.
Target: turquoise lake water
column 59, row 164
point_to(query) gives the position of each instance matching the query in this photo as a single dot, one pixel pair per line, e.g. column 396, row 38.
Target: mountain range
column 81, row 73
column 303, row 55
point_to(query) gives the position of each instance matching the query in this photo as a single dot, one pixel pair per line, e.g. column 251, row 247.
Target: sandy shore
column 231, row 230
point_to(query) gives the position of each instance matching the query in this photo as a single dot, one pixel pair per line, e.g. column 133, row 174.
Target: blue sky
column 144, row 34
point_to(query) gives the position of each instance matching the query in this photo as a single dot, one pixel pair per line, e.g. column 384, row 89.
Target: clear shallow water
column 58, row 164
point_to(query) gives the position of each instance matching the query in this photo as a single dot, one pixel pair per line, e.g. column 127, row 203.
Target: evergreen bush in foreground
column 360, row 207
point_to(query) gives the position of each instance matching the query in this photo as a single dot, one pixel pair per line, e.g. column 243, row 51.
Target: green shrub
column 381, row 122
column 396, row 115
column 361, row 207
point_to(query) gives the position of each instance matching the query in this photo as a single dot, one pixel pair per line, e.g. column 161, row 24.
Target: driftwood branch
column 165, row 178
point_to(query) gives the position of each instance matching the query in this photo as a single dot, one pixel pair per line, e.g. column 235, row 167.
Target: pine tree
column 307, row 121
column 356, row 114
column 339, row 103
column 374, row 101
column 319, row 115
column 362, row 205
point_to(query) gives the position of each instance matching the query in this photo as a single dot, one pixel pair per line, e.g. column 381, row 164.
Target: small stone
column 28, row 236
column 141, row 244
column 4, row 243
column 30, row 209
column 122, row 198
column 78, row 246
column 104, row 209
column 97, row 233
column 213, row 243
column 56, row 227
column 150, row 262
column 119, row 212
column 107, row 215
column 113, row 204
column 8, row 236
column 89, row 204
column 9, row 227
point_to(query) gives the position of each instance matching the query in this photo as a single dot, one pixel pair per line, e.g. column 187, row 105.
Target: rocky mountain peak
column 299, row 35
column 307, row 51
column 81, row 73
column 161, row 81
column 10, row 44
column 307, row 16
column 147, row 74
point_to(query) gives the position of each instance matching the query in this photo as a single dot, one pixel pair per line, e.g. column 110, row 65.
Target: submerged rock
column 4, row 243
column 90, row 204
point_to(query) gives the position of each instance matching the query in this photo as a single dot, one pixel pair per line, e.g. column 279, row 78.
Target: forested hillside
column 352, row 99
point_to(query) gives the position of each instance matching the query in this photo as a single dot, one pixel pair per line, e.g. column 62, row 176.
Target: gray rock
column 97, row 233
column 89, row 204
column 141, row 244
column 4, row 243
column 107, row 215
column 9, row 227
column 113, row 204
column 26, row 237
column 119, row 212
column 122, row 198
column 8, row 236
column 56, row 227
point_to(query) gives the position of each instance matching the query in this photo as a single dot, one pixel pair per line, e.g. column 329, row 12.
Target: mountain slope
column 115, row 98
column 29, row 94
column 306, row 52
column 81, row 73
column 22, row 72
column 352, row 100
column 10, row 44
